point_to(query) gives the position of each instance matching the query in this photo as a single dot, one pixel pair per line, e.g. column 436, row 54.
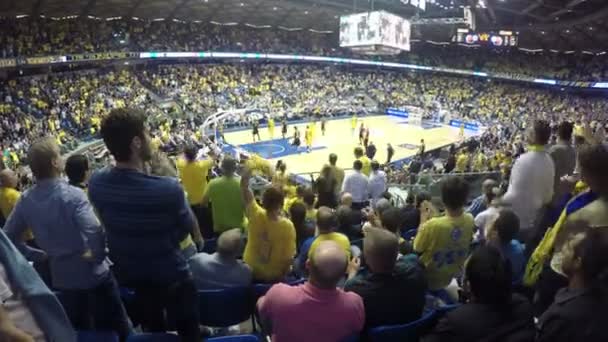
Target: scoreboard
column 502, row 38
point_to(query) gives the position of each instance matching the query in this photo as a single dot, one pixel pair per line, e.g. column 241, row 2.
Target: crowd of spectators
column 27, row 37
column 366, row 261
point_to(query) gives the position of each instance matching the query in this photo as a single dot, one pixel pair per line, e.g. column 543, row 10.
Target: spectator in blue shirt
column 71, row 238
column 482, row 202
column 145, row 218
column 502, row 235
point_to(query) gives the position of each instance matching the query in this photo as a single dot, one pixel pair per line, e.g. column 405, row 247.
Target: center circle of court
column 272, row 148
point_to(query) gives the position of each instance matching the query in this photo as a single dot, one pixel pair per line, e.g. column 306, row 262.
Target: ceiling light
column 305, row 12
column 242, row 4
column 567, row 31
column 274, row 8
column 590, row 28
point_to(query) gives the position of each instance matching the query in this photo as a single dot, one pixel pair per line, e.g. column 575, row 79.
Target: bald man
column 393, row 289
column 482, row 202
column 349, row 219
column 222, row 269
column 8, row 192
column 317, row 310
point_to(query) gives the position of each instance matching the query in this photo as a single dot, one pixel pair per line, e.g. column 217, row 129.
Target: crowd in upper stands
column 27, row 37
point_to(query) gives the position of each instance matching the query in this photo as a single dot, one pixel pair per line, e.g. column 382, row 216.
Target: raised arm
column 245, row 191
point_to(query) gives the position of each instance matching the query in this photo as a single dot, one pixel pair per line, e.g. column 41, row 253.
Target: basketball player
column 366, row 137
column 271, row 127
column 323, row 123
column 461, row 133
column 256, row 130
column 220, row 131
column 308, row 138
column 353, row 124
column 361, row 133
column 284, row 127
column 296, row 138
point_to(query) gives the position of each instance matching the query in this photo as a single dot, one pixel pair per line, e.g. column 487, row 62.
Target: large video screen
column 375, row 28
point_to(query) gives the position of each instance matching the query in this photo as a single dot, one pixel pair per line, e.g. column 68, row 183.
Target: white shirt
column 377, row 185
column 530, row 186
column 357, row 185
column 482, row 220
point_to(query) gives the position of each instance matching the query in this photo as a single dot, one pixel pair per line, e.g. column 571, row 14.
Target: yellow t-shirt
column 367, row 165
column 8, row 199
column 444, row 243
column 338, row 238
column 291, row 201
column 194, row 178
column 461, row 162
column 271, row 245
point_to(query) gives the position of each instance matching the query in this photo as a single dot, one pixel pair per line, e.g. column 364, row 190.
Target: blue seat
column 97, row 336
column 238, row 338
column 153, row 337
column 226, row 307
column 409, row 332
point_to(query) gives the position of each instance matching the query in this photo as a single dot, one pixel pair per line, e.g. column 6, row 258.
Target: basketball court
column 339, row 139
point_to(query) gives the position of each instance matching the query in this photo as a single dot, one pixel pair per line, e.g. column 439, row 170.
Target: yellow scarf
column 536, row 148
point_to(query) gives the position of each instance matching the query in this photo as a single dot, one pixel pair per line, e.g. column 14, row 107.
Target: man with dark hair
column 193, row 175
column 71, row 238
column 77, row 170
column 145, row 218
column 443, row 242
column 357, row 184
column 224, row 193
column 377, row 183
column 493, row 313
column 564, row 158
column 502, row 234
column 271, row 238
column 393, row 290
column 531, row 182
column 411, row 213
column 324, row 313
column 580, row 310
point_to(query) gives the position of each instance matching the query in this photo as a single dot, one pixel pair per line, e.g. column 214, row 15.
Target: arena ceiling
column 549, row 24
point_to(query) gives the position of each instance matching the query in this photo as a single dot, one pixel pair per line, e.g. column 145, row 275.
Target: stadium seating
column 409, row 332
column 160, row 337
column 97, row 336
column 226, row 307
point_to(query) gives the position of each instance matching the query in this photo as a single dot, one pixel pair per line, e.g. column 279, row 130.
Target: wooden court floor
column 339, row 139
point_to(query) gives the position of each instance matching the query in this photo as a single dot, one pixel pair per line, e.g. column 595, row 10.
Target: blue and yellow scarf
column 543, row 252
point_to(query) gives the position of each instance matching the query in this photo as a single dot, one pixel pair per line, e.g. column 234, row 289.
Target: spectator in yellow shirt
column 271, row 238
column 462, row 162
column 443, row 242
column 367, row 164
column 327, row 224
column 9, row 195
column 193, row 175
column 8, row 192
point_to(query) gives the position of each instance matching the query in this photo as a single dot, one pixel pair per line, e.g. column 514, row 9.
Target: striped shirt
column 145, row 218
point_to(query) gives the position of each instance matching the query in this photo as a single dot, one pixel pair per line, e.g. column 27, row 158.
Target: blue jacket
column 41, row 302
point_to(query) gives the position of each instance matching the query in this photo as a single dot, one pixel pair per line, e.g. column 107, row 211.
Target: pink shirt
column 306, row 313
